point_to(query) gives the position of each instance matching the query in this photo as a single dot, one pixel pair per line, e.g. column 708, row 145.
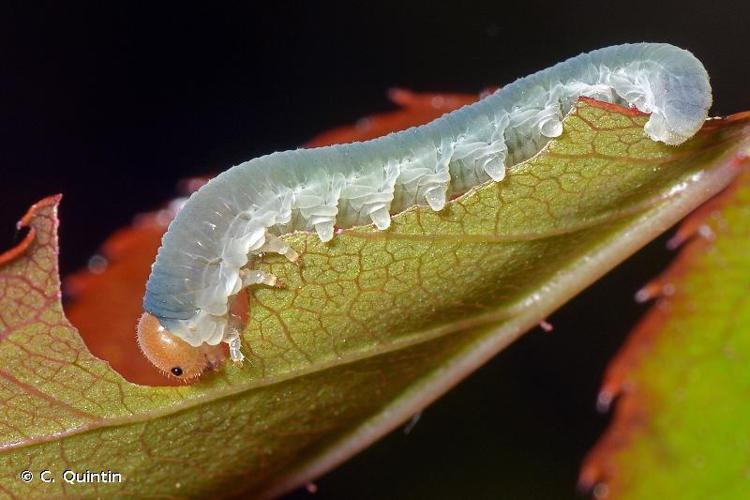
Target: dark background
column 113, row 105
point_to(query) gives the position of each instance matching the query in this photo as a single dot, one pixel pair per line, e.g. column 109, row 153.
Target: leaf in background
column 682, row 424
column 107, row 296
column 414, row 108
column 371, row 327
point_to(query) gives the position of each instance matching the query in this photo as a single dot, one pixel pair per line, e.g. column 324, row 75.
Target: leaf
column 108, row 294
column 682, row 425
column 370, row 328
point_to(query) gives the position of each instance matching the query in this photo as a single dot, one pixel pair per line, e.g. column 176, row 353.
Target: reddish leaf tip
column 625, row 110
column 415, row 108
column 25, row 222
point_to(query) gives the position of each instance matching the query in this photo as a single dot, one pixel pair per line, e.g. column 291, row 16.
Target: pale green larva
column 203, row 260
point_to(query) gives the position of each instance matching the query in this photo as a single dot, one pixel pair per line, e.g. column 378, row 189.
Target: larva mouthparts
column 241, row 212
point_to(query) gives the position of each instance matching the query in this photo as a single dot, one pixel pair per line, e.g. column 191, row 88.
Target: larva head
column 174, row 356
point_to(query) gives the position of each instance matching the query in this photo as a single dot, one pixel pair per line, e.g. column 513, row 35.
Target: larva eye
column 174, row 356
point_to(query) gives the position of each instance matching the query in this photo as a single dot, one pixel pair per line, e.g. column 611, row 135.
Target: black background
column 112, row 105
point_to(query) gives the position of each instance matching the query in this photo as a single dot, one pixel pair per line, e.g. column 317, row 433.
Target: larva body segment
column 239, row 213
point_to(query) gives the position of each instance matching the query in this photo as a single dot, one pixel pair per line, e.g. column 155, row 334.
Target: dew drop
column 97, row 264
column 601, row 490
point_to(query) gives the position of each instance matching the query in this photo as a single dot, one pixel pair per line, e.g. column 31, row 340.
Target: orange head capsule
column 174, row 356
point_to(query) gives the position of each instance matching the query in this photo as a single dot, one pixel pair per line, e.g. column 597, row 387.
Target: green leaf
column 370, row 328
column 682, row 427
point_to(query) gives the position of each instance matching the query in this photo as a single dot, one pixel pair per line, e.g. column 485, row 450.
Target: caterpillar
column 206, row 255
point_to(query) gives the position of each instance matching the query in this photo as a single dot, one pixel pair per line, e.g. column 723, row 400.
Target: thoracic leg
column 257, row 277
column 233, row 339
column 277, row 245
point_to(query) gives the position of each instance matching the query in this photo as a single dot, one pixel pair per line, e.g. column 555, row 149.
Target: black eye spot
column 176, row 371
